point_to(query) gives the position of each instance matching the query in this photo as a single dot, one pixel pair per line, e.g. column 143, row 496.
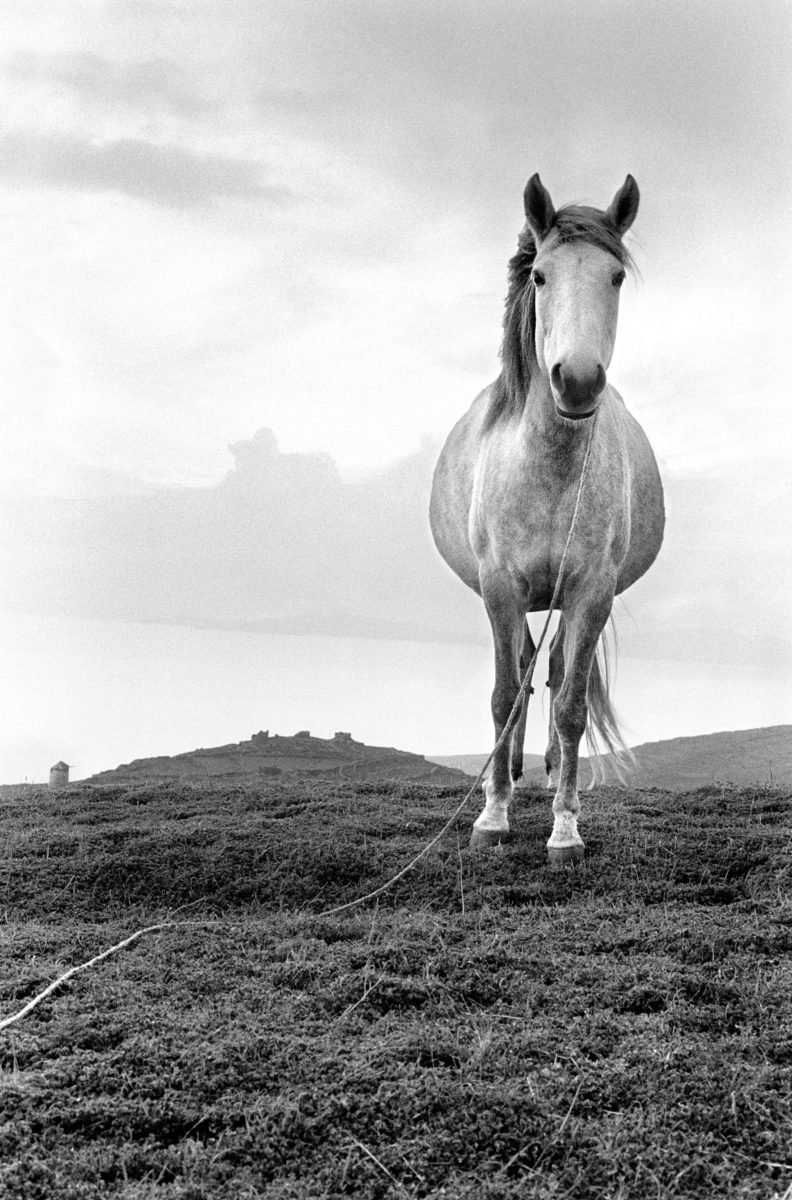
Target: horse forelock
column 578, row 223
column 573, row 223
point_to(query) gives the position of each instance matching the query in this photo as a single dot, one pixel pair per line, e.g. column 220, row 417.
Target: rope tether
column 525, row 686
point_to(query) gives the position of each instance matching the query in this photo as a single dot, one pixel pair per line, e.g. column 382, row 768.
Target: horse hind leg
column 518, row 737
column 554, row 680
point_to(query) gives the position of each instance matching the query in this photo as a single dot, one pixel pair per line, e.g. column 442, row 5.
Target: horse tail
column 602, row 727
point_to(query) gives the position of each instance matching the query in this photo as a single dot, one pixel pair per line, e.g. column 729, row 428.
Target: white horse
column 507, row 480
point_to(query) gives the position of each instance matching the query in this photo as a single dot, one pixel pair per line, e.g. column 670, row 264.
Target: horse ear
column 624, row 206
column 539, row 211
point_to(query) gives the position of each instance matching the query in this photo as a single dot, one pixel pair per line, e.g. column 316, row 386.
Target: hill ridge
column 740, row 756
column 266, row 755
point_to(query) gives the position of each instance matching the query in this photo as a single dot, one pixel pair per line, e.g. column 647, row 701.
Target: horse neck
column 540, row 429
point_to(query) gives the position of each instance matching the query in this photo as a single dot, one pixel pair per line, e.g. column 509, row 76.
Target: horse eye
column 538, row 278
column 618, row 278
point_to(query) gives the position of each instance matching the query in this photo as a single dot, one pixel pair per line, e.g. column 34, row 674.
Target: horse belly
column 647, row 514
column 452, row 491
column 449, row 524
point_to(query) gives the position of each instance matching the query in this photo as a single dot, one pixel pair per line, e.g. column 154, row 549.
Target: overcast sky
column 221, row 217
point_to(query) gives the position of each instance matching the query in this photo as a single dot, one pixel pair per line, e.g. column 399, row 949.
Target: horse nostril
column 557, row 380
column 599, row 382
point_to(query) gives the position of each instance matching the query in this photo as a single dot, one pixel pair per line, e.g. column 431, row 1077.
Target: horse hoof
column 483, row 839
column 565, row 856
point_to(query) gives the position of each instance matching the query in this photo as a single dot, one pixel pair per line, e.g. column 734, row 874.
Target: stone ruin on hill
column 271, row 756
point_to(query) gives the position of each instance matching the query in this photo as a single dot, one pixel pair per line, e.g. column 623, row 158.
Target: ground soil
column 487, row 1028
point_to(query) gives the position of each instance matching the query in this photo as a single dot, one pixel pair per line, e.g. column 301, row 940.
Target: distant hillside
column 471, row 764
column 742, row 756
column 269, row 756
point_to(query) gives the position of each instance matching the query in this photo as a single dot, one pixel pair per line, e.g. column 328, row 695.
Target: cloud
column 282, row 538
column 284, row 543
column 167, row 175
column 152, row 85
column 719, row 589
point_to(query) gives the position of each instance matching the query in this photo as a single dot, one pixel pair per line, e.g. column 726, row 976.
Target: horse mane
column 573, row 223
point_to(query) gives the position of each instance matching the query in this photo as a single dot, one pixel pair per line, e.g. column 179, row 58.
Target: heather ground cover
column 487, row 1028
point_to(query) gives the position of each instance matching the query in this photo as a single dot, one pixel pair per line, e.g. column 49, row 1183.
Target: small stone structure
column 59, row 775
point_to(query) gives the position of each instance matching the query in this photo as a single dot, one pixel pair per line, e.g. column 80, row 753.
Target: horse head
column 578, row 268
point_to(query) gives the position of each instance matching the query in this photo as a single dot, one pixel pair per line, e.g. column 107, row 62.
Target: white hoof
column 484, row 839
column 565, row 856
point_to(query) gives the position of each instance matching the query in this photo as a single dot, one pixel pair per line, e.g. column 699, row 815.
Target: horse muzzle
column 576, row 388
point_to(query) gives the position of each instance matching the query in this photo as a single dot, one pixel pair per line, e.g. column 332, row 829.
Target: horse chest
column 520, row 520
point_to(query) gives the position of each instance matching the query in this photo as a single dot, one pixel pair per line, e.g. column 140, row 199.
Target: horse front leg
column 583, row 626
column 492, row 826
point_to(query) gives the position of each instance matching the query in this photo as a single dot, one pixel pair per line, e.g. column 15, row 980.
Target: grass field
column 486, row 1029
